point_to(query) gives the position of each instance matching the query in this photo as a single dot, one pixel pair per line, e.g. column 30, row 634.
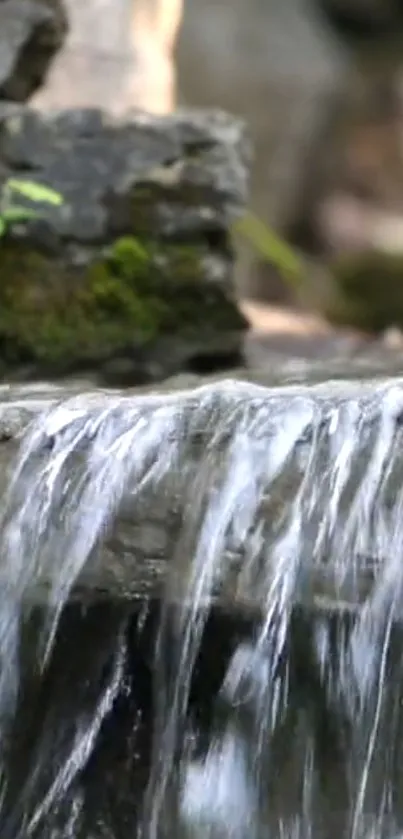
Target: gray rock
column 171, row 187
column 195, row 162
column 31, row 32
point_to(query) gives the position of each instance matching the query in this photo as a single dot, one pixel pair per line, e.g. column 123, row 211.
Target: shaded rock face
column 351, row 215
column 31, row 32
column 363, row 18
column 354, row 195
column 131, row 275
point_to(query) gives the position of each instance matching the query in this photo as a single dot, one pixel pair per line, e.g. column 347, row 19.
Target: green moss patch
column 368, row 291
column 63, row 316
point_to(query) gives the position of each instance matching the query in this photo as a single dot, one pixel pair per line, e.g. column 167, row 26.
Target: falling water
column 289, row 508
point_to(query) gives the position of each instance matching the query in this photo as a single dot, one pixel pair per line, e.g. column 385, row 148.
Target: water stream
column 288, row 515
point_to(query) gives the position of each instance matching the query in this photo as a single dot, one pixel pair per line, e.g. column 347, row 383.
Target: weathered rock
column 150, row 535
column 31, row 32
column 132, row 274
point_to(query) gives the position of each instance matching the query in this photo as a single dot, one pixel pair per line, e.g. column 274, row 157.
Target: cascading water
column 288, row 508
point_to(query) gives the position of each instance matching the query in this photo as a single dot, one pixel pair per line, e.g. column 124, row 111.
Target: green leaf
column 3, row 227
column 35, row 192
column 12, row 215
column 271, row 247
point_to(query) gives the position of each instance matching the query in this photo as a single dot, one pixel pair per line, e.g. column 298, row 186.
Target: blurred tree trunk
column 279, row 65
column 118, row 54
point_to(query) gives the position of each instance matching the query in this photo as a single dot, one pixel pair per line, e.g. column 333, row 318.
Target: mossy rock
column 368, row 291
column 58, row 316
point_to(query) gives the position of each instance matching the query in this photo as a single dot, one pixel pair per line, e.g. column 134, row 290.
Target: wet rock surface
column 131, row 275
column 31, row 33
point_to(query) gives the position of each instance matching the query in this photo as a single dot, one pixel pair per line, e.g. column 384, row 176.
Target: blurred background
column 320, row 84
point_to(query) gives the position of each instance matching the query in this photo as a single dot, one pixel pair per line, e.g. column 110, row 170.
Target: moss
column 128, row 257
column 179, row 263
column 368, row 291
column 61, row 316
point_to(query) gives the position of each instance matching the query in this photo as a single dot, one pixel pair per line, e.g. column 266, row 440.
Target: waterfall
column 286, row 506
